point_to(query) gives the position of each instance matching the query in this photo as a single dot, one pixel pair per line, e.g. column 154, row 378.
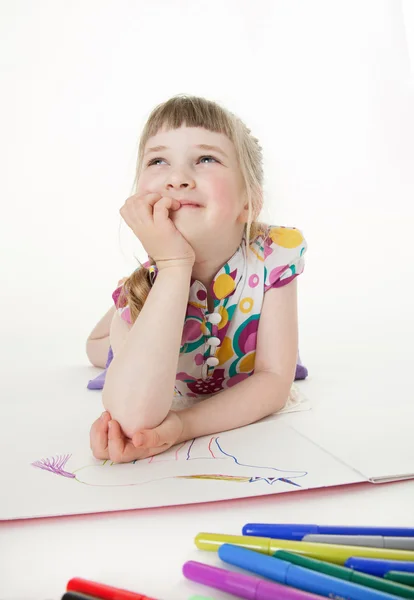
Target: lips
column 189, row 204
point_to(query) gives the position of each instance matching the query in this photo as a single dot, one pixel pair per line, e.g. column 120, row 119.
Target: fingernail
column 103, row 415
column 109, row 424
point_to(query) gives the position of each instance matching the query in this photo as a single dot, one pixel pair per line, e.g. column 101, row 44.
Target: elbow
column 97, row 351
column 278, row 390
column 131, row 415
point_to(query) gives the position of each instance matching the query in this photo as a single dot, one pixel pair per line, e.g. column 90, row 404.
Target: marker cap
column 213, row 541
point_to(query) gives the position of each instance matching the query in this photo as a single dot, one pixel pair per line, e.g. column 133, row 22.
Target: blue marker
column 298, row 577
column 292, row 531
column 377, row 566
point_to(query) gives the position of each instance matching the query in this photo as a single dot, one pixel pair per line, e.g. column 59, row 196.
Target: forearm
column 139, row 384
column 102, row 328
column 247, row 402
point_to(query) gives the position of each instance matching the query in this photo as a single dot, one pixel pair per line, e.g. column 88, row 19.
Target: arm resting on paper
column 265, row 392
column 139, row 386
column 247, row 402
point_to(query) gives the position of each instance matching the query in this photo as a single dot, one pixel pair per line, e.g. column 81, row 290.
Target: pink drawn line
column 176, row 453
column 209, row 448
column 178, row 449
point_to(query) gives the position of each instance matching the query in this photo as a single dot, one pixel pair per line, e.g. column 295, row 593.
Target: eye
column 154, row 161
column 208, row 157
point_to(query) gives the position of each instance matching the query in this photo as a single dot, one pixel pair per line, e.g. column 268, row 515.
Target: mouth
column 186, row 204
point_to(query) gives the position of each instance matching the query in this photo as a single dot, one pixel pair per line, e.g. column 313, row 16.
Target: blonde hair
column 194, row 111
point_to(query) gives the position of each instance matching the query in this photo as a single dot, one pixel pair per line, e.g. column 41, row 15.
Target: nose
column 178, row 180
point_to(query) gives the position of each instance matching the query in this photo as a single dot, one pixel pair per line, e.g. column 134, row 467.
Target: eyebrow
column 199, row 146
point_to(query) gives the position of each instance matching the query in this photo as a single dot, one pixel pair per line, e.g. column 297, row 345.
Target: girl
column 212, row 315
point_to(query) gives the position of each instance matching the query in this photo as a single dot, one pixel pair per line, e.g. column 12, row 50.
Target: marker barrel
column 378, row 567
column 371, row 541
column 376, row 583
column 404, row 578
column 297, row 531
column 298, row 577
column 334, row 553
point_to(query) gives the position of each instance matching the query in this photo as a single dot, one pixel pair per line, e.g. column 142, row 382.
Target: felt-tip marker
column 101, row 591
column 293, row 531
column 298, row 577
column 405, row 578
column 334, row 553
column 377, row 583
column 378, row 567
column 241, row 585
column 372, row 541
column 77, row 596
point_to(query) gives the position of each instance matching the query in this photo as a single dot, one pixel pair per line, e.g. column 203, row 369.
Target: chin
column 193, row 231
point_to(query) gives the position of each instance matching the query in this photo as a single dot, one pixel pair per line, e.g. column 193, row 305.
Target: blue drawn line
column 257, row 467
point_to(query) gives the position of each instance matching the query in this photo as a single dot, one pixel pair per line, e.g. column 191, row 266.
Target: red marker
column 101, row 591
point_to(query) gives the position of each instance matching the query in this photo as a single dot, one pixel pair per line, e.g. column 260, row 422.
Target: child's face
column 210, row 177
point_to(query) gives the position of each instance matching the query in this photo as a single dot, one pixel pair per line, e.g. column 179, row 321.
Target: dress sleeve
column 284, row 248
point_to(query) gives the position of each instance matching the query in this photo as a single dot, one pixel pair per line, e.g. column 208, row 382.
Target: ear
column 244, row 213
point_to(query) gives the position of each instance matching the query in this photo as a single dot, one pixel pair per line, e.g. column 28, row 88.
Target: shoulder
column 282, row 250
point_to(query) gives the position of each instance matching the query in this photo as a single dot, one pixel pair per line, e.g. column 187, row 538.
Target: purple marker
column 243, row 586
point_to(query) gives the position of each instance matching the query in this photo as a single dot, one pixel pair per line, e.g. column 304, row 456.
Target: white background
column 327, row 86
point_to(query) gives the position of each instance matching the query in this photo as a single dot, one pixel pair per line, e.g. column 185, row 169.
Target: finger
column 146, row 207
column 162, row 209
column 121, row 449
column 166, row 433
column 116, row 441
column 99, row 436
column 140, row 205
column 102, row 437
column 149, row 438
column 175, row 205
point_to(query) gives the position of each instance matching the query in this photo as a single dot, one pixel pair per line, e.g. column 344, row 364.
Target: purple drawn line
column 189, row 449
column 178, row 449
column 55, row 465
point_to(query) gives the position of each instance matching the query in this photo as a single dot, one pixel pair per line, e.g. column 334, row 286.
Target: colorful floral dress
column 218, row 348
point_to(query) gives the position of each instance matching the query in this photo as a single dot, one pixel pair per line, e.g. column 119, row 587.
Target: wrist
column 178, row 273
column 186, row 431
column 181, row 264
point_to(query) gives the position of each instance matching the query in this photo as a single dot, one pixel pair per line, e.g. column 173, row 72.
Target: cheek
column 223, row 190
column 147, row 184
column 225, row 194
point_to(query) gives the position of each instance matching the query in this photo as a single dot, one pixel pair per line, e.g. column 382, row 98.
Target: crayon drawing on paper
column 197, row 459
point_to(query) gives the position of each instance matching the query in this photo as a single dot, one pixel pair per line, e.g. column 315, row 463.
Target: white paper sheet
column 264, row 458
column 362, row 440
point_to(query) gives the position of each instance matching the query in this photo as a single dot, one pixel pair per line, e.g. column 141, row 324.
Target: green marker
column 200, row 598
column 378, row 583
column 406, row 578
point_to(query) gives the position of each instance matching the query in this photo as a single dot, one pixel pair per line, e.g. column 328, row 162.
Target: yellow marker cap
column 213, row 541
